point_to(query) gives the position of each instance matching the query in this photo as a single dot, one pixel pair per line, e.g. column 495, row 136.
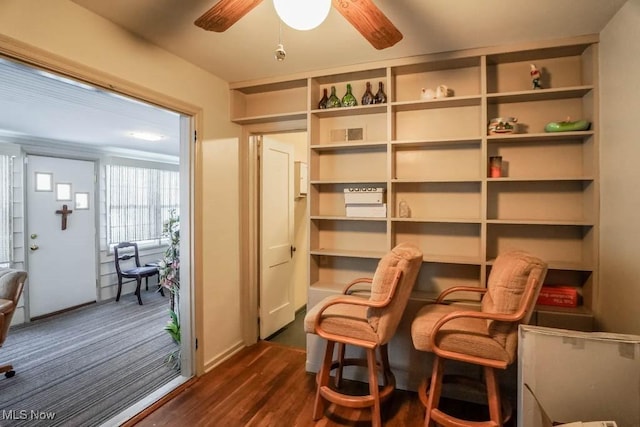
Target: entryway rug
column 85, row 366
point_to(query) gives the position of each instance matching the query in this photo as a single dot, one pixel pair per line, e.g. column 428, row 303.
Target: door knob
column 34, row 247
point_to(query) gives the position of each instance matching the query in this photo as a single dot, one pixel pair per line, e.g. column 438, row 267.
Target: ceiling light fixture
column 280, row 54
column 146, row 136
column 302, row 15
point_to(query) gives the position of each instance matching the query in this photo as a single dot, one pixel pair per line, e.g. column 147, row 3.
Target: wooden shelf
column 271, row 118
column 433, row 155
column 462, row 101
column 539, row 95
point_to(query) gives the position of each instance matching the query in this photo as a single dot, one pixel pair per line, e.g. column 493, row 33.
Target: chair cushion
column 6, row 306
column 408, row 259
column 506, row 285
column 341, row 319
column 9, row 281
column 464, row 335
column 140, row 271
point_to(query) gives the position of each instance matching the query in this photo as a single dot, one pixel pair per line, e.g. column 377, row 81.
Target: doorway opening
column 90, row 201
column 281, row 226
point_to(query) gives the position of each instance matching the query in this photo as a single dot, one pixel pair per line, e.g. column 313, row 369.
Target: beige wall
column 66, row 30
column 620, row 172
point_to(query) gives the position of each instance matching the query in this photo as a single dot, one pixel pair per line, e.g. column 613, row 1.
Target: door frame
column 58, row 154
column 190, row 196
column 250, row 219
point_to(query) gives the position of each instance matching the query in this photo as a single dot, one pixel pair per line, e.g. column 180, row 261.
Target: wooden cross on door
column 64, row 212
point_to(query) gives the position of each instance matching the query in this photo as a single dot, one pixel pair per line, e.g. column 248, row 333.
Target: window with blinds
column 6, row 216
column 139, row 202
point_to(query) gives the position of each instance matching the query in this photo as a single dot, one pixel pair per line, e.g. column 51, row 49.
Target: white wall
column 65, row 29
column 620, row 172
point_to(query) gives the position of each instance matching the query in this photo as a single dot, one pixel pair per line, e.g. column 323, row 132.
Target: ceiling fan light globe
column 302, row 15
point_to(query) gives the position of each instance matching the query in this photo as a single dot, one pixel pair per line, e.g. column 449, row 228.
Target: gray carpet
column 87, row 365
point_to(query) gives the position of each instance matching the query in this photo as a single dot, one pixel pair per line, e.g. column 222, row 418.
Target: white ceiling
column 245, row 51
column 34, row 105
column 37, row 106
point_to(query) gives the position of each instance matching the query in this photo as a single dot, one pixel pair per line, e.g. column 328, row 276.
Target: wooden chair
column 11, row 286
column 488, row 338
column 136, row 272
column 349, row 319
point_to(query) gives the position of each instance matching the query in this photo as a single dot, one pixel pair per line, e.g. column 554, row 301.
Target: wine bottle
column 381, row 97
column 323, row 102
column 368, row 96
column 333, row 101
column 348, row 100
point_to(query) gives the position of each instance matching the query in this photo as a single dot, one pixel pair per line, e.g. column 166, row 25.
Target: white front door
column 276, row 237
column 62, row 262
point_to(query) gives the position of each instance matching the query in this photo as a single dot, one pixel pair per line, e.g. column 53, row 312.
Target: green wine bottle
column 333, row 101
column 348, row 100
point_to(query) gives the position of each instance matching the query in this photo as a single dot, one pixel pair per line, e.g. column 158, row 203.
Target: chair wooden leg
column 323, row 380
column 493, row 395
column 119, row 288
column 376, row 419
column 384, row 359
column 435, row 389
column 160, row 286
column 138, row 286
column 341, row 351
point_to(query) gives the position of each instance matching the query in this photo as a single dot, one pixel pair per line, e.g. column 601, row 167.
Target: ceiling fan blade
column 224, row 14
column 369, row 21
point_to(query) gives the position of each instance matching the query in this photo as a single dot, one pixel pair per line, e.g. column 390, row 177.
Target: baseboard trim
column 159, row 403
column 212, row 363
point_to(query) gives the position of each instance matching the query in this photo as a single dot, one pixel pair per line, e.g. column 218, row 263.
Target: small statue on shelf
column 535, row 77
column 404, row 211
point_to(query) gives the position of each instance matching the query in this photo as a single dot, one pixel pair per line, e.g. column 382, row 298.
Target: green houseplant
column 170, row 280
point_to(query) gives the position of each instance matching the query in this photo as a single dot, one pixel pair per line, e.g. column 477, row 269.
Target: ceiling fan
column 362, row 14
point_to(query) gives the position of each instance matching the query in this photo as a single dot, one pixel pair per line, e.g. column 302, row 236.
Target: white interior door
column 62, row 262
column 277, row 307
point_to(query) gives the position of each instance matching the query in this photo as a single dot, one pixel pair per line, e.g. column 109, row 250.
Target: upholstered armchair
column 488, row 337
column 11, row 285
column 367, row 323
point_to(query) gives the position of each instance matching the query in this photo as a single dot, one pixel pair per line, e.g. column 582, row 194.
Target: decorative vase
column 333, row 101
column 404, row 211
column 348, row 100
column 368, row 96
column 381, row 97
column 323, row 102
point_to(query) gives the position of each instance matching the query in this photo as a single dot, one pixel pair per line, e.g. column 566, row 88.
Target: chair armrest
column 453, row 289
column 347, row 289
column 513, row 317
column 354, row 300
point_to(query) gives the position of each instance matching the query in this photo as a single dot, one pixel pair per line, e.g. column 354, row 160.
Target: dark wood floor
column 266, row 385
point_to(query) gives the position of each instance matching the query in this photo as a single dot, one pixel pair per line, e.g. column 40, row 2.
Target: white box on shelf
column 377, row 210
column 363, row 195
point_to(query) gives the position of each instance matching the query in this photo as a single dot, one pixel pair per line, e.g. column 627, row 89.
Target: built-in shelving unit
column 434, row 154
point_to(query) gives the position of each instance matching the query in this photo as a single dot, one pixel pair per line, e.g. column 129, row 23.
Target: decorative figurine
column 426, row 94
column 442, row 91
column 535, row 77
column 404, row 211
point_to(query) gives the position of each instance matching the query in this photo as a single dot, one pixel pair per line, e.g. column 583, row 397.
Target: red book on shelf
column 559, row 296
